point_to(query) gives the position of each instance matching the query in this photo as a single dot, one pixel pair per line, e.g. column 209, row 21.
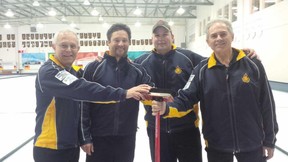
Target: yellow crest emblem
column 178, row 70
column 245, row 78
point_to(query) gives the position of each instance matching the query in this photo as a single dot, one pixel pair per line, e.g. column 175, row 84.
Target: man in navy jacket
column 237, row 104
column 170, row 68
column 108, row 129
column 58, row 92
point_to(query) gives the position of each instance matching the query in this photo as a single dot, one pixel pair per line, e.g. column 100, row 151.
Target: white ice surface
column 17, row 121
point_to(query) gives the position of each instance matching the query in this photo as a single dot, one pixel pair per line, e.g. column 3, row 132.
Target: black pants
column 113, row 149
column 50, row 155
column 184, row 146
column 252, row 156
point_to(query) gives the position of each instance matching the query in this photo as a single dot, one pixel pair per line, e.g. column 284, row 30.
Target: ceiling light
column 9, row 13
column 36, row 3
column 101, row 18
column 39, row 25
column 255, row 8
column 180, row 10
column 52, row 12
column 94, row 12
column 137, row 12
column 86, row 3
column 137, row 24
column 73, row 25
column 171, row 23
column 105, row 25
column 63, row 19
column 7, row 26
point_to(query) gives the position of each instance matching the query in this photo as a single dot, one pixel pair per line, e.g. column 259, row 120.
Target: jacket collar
column 57, row 62
column 121, row 63
column 172, row 51
column 52, row 58
column 237, row 55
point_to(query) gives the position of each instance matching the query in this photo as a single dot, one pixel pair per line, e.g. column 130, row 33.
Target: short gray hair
column 55, row 38
column 224, row 21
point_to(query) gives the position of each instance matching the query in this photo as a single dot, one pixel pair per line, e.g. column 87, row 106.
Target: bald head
column 62, row 33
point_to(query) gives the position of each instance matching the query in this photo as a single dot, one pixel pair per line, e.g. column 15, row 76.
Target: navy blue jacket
column 171, row 71
column 58, row 92
column 237, row 104
column 112, row 118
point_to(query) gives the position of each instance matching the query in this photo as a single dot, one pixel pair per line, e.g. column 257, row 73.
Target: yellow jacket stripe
column 212, row 60
column 48, row 136
column 174, row 113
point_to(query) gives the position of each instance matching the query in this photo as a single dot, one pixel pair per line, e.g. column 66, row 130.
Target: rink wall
column 265, row 31
column 18, row 41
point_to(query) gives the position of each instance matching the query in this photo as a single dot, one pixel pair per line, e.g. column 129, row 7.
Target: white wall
column 270, row 28
column 266, row 31
column 8, row 54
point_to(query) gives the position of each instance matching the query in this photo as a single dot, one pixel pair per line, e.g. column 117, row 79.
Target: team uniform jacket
column 58, row 110
column 112, row 119
column 171, row 71
column 237, row 105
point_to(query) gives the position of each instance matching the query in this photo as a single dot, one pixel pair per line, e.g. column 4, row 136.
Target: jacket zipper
column 164, row 73
column 233, row 116
column 116, row 111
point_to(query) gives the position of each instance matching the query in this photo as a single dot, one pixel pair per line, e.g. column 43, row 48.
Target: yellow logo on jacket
column 178, row 70
column 245, row 78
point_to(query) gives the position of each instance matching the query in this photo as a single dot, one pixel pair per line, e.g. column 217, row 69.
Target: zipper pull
column 227, row 74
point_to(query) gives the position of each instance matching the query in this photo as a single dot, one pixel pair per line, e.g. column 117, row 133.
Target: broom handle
column 157, row 137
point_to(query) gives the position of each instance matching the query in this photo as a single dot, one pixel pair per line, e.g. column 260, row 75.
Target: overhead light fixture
column 137, row 11
column 101, row 18
column 63, row 19
column 180, row 10
column 255, row 8
column 86, row 3
column 52, row 12
column 171, row 23
column 7, row 26
column 105, row 25
column 39, row 25
column 36, row 3
column 94, row 12
column 73, row 25
column 9, row 13
column 137, row 24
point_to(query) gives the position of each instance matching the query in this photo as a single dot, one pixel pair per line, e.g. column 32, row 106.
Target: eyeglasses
column 66, row 46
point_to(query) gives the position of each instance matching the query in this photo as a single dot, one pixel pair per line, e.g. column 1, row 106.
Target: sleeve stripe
column 174, row 113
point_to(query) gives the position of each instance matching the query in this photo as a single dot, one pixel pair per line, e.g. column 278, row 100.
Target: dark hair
column 117, row 27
